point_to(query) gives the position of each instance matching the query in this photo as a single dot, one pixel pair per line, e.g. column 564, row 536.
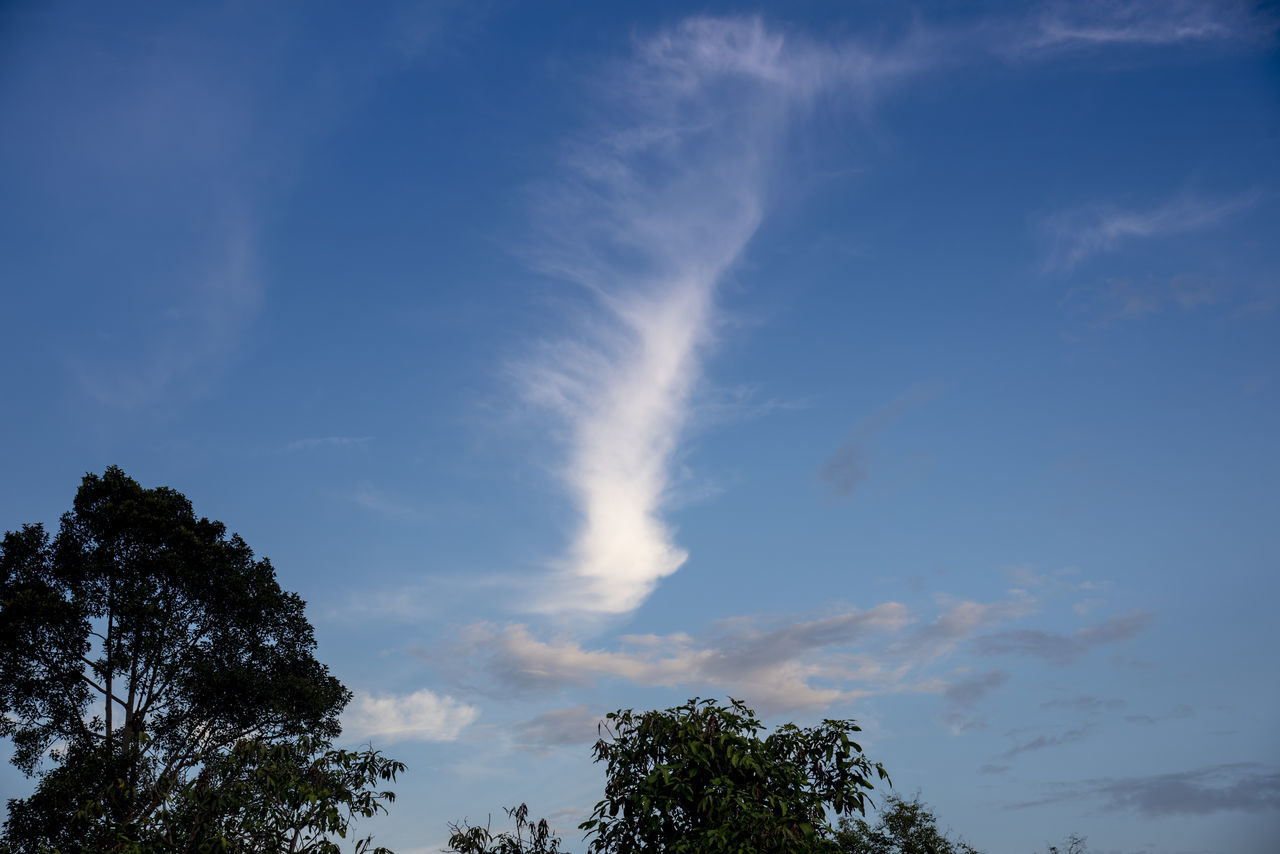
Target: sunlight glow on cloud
column 776, row 666
column 420, row 716
column 656, row 209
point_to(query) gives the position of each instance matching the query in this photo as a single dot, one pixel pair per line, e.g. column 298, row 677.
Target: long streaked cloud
column 1063, row 649
column 420, row 716
column 1040, row 742
column 777, row 666
column 1231, row 787
column 656, row 208
column 1104, row 23
column 1080, row 234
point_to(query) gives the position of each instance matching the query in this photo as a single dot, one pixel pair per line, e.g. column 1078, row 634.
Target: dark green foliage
column 905, row 827
column 138, row 648
column 288, row 797
column 701, row 778
column 528, row 838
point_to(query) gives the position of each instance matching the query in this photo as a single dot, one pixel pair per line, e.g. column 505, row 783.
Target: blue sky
column 919, row 365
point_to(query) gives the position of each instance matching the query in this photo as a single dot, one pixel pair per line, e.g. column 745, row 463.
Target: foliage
column 1075, row 845
column 287, row 797
column 700, row 778
column 905, row 827
column 528, row 838
column 139, row 649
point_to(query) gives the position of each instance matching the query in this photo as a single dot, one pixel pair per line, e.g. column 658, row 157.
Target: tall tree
column 137, row 646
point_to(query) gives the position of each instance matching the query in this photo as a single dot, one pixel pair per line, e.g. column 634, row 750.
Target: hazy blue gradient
column 920, row 366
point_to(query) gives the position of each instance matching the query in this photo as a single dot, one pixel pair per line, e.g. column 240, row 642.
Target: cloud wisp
column 1062, row 649
column 163, row 150
column 656, row 208
column 1080, row 234
column 846, row 468
column 1105, row 23
column 1232, row 787
column 776, row 669
column 775, row 665
column 557, row 727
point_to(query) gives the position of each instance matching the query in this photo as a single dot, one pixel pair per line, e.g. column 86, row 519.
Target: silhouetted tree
column 142, row 650
column 905, row 827
column 527, row 838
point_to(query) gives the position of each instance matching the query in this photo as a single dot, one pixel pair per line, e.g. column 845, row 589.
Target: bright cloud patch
column 656, row 208
column 420, row 716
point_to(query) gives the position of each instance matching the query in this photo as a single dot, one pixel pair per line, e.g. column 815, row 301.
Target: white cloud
column 420, row 716
column 657, row 207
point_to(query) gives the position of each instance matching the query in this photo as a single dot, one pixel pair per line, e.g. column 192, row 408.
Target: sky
column 917, row 364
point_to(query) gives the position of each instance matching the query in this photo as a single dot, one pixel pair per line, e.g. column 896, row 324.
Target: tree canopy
column 141, row 648
column 905, row 827
column 701, row 778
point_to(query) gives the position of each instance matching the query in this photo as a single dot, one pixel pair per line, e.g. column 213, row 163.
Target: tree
column 1075, row 845
column 700, row 778
column 140, row 649
column 905, row 827
column 288, row 797
column 529, row 837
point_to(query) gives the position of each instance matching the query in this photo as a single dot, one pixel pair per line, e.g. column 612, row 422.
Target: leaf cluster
column 528, row 837
column 905, row 827
column 287, row 797
column 702, row 778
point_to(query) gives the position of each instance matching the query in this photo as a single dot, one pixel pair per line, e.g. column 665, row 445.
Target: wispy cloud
column 776, row 665
column 656, row 208
column 1040, row 742
column 1080, row 234
column 1234, row 787
column 792, row 667
column 969, row 690
column 1083, row 703
column 1063, row 649
column 327, row 442
column 959, row 622
column 387, row 504
column 160, row 146
column 575, row 725
column 1115, row 300
column 846, row 468
column 198, row 320
column 1086, row 23
column 420, row 716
